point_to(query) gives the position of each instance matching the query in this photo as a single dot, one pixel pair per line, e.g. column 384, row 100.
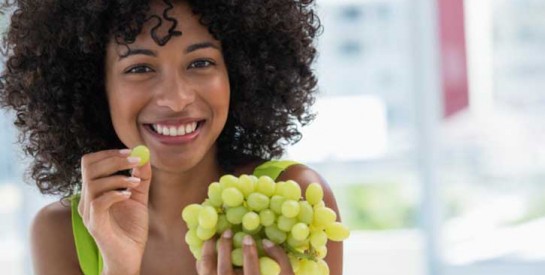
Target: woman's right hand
column 114, row 208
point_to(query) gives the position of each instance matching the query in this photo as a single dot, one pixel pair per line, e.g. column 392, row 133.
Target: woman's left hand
column 220, row 263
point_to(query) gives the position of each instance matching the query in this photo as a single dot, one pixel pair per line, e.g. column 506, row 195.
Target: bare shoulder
column 52, row 241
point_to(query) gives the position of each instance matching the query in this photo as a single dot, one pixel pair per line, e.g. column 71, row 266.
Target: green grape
column 299, row 245
column 306, row 212
column 285, row 224
column 266, row 186
column 323, row 268
column 323, row 216
column 237, row 239
column 300, row 231
column 321, row 251
column 290, row 208
column 246, row 185
column 208, row 217
column 318, row 238
column 337, row 231
column 291, row 190
column 267, row 217
column 227, row 181
column 191, row 238
column 294, row 262
column 237, row 257
column 307, row 267
column 223, row 224
column 190, row 214
column 275, row 235
column 196, row 251
column 279, row 188
column 276, row 204
column 234, row 215
column 257, row 201
column 205, row 233
column 142, row 152
column 250, row 221
column 314, row 193
column 232, row 197
column 268, row 266
column 214, row 194
column 259, row 245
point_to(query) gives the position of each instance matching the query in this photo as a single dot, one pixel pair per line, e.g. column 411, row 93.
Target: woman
column 211, row 87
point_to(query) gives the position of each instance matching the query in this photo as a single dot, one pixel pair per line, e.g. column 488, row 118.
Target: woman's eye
column 139, row 70
column 201, row 64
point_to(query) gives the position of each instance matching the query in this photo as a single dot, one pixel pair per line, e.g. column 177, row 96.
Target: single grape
column 257, row 201
column 290, row 208
column 237, row 257
column 214, row 194
column 285, row 224
column 232, row 197
column 268, row 266
column 266, row 186
column 205, row 233
column 234, row 215
column 294, row 262
column 223, row 224
column 191, row 238
column 274, row 234
column 323, row 216
column 337, row 231
column 190, row 214
column 196, row 251
column 267, row 217
column 300, row 231
column 237, row 239
column 291, row 190
column 299, row 245
column 246, row 185
column 314, row 193
column 321, row 251
column 323, row 268
column 208, row 217
column 318, row 238
column 276, row 204
column 142, row 152
column 227, row 181
column 250, row 221
column 307, row 267
column 306, row 212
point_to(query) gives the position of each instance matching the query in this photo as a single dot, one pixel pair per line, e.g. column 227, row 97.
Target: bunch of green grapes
column 267, row 209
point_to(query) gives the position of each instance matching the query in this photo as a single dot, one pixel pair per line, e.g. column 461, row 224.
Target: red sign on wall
column 453, row 56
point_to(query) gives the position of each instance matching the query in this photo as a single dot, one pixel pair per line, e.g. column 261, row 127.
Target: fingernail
column 228, row 234
column 133, row 180
column 125, row 152
column 267, row 243
column 248, row 240
column 133, row 159
column 125, row 193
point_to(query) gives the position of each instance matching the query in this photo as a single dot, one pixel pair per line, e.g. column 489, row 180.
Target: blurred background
column 430, row 131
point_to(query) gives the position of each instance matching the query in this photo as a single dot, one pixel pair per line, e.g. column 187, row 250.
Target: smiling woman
column 210, row 87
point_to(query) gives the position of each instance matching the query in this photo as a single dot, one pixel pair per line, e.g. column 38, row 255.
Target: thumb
column 141, row 192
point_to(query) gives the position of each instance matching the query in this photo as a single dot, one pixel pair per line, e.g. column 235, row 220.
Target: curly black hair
column 54, row 77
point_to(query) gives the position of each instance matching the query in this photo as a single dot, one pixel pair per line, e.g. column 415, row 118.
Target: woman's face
column 172, row 98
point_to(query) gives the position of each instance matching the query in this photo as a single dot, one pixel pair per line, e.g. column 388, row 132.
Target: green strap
column 89, row 256
column 90, row 260
column 273, row 168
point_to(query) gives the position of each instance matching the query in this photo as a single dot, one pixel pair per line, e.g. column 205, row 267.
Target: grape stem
column 310, row 256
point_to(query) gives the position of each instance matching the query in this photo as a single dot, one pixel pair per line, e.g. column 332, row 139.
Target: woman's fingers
column 279, row 255
column 98, row 207
column 224, row 253
column 207, row 264
column 250, row 258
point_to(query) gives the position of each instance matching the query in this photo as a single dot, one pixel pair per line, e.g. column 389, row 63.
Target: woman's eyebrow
column 201, row 45
column 138, row 51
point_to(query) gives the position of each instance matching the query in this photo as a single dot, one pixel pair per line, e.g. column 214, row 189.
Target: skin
column 141, row 232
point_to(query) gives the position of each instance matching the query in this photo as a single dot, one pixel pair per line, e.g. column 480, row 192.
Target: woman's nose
column 176, row 94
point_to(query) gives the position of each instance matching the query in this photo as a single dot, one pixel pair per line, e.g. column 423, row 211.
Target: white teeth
column 173, row 130
column 181, row 131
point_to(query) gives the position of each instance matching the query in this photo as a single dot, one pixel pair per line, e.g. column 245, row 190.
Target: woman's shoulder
column 52, row 241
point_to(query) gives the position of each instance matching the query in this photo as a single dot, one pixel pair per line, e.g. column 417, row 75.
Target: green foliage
column 379, row 206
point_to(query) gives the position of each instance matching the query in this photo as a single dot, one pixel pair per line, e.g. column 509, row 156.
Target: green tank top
column 89, row 257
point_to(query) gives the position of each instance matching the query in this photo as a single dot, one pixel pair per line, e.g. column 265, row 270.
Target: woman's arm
column 52, row 242
column 305, row 176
